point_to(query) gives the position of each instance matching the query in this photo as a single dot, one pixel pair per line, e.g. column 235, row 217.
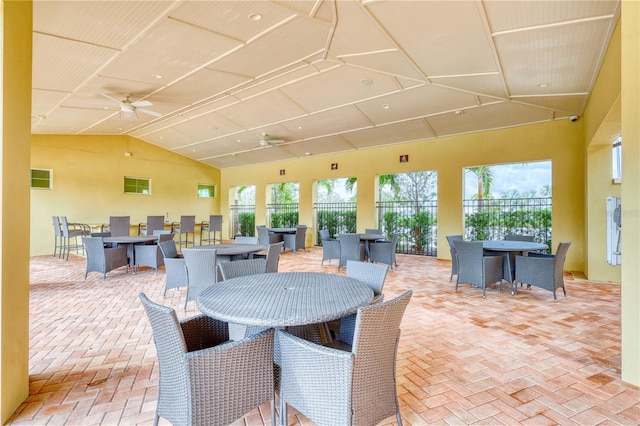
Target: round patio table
column 283, row 299
column 509, row 250
column 233, row 249
column 130, row 240
column 520, row 246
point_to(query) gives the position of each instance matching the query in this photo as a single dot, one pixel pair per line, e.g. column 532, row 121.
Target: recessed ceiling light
column 386, row 106
column 299, row 127
column 366, row 82
column 459, row 112
column 307, row 154
column 541, row 85
column 157, row 76
column 255, row 17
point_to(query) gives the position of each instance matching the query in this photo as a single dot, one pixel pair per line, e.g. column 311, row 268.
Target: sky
column 520, row 176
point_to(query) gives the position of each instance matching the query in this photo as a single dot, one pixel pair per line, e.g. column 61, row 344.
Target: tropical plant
column 484, row 175
column 247, row 223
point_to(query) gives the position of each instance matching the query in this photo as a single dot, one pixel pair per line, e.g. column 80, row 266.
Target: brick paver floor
column 462, row 359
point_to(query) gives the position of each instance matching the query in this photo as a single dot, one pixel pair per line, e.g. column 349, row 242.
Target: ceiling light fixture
column 157, row 76
column 366, row 82
column 386, row 106
column 307, row 154
column 459, row 112
column 255, row 17
column 543, row 85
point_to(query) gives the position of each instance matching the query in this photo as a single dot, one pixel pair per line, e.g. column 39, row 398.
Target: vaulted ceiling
column 208, row 79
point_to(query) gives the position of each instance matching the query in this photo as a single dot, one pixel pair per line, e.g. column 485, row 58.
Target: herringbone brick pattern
column 462, row 359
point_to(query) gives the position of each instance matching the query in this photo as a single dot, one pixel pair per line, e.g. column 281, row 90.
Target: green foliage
column 337, row 222
column 247, row 224
column 493, row 223
column 418, row 229
column 287, row 219
column 390, row 224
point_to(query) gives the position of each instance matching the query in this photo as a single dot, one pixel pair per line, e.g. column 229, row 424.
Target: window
column 41, row 179
column 137, row 185
column 206, row 191
column 616, row 157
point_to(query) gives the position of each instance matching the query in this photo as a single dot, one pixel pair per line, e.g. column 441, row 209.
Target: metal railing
column 338, row 218
column 282, row 215
column 416, row 224
column 243, row 220
column 493, row 219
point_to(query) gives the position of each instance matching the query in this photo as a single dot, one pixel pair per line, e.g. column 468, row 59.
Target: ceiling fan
column 128, row 109
column 266, row 141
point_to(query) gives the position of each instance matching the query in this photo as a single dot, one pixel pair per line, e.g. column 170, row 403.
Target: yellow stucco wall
column 88, row 178
column 603, row 126
column 630, row 193
column 15, row 110
column 559, row 141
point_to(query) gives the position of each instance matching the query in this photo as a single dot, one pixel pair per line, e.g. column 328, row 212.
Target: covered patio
column 462, row 359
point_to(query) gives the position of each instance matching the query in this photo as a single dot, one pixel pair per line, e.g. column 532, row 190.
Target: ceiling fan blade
column 147, row 111
column 141, row 104
column 112, row 98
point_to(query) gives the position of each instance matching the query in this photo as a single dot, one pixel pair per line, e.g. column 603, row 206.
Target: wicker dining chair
column 345, row 384
column 213, row 225
column 451, row 239
column 543, row 270
column 296, row 241
column 240, row 268
column 201, row 271
column 174, row 266
column 103, row 259
column 373, row 275
column 384, row 251
column 205, row 379
column 150, row 254
column 273, row 257
column 477, row 269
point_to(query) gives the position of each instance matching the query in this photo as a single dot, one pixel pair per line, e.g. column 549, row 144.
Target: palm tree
column 485, row 179
column 384, row 180
column 390, row 181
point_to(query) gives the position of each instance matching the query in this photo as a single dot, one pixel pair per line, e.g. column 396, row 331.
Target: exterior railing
column 243, row 220
column 493, row 219
column 283, row 215
column 414, row 222
column 338, row 218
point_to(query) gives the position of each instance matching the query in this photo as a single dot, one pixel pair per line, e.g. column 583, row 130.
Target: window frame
column 616, row 160
column 50, row 179
column 212, row 188
column 137, row 186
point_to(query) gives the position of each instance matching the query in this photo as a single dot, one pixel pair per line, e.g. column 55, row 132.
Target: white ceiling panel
column 88, row 18
column 312, row 73
column 171, row 50
column 189, row 90
column 495, row 116
column 429, row 31
column 64, row 65
column 43, row 101
column 562, row 105
column 488, row 84
column 325, row 145
column 271, row 107
column 328, row 122
column 393, row 133
column 413, row 103
column 553, row 58
column 344, row 84
column 284, row 45
column 513, row 15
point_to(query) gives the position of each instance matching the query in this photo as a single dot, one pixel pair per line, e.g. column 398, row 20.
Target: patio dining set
column 515, row 260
